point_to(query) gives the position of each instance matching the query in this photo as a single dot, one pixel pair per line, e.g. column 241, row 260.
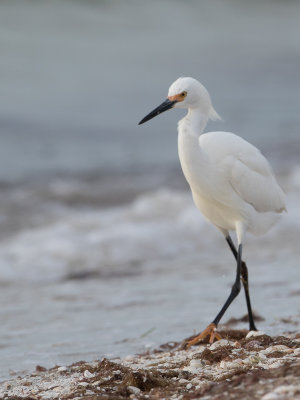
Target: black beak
column 165, row 106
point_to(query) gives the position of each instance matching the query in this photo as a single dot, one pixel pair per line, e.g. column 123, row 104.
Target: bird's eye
column 183, row 94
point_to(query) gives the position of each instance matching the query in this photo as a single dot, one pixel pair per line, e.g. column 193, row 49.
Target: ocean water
column 102, row 252
column 84, row 282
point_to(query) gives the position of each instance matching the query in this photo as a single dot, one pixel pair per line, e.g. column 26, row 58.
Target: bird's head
column 185, row 92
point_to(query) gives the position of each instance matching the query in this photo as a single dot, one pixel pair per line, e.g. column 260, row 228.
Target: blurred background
column 102, row 252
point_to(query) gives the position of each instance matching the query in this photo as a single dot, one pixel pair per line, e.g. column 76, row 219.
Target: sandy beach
column 242, row 365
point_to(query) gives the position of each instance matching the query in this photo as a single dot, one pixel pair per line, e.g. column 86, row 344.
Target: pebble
column 297, row 352
column 196, row 363
column 182, row 380
column 236, row 351
column 117, row 372
column 87, row 374
column 270, row 396
column 276, row 364
column 254, row 334
column 7, row 385
column 165, row 365
column 253, row 344
column 229, row 364
column 271, row 349
column 219, row 343
column 238, row 361
column 189, row 386
column 62, row 369
column 133, row 389
column 262, row 356
column 202, row 385
column 255, row 359
column 83, row 384
column 192, row 370
column 252, row 360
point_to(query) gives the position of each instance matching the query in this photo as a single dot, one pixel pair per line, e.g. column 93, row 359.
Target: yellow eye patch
column 178, row 97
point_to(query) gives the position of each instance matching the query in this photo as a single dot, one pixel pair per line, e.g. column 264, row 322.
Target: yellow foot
column 210, row 331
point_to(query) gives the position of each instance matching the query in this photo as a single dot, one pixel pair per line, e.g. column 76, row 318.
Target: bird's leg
column 244, row 276
column 211, row 329
column 235, row 290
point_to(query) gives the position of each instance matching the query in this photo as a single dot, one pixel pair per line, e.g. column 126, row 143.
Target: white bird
column 232, row 183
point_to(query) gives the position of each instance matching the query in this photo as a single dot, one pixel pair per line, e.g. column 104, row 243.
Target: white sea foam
column 158, row 225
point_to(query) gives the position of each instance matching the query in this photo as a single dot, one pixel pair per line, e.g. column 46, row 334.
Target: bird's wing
column 245, row 169
column 253, row 180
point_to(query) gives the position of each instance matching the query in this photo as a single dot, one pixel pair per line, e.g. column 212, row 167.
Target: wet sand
column 240, row 366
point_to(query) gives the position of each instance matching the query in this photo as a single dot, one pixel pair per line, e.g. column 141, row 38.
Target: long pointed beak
column 165, row 106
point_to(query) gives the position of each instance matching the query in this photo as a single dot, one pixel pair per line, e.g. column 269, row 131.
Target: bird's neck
column 192, row 158
column 194, row 122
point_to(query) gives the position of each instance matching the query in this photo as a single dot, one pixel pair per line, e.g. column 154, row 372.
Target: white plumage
column 232, row 183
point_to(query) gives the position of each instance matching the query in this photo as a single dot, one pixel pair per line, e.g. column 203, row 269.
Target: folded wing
column 253, row 180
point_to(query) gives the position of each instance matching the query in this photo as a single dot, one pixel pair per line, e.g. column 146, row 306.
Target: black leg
column 244, row 276
column 235, row 290
column 241, row 272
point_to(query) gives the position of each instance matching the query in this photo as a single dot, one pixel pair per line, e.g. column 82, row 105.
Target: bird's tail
column 263, row 222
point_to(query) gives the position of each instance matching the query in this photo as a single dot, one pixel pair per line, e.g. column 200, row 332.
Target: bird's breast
column 195, row 165
column 211, row 191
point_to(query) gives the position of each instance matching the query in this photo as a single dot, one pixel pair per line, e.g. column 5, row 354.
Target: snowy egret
column 232, row 183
